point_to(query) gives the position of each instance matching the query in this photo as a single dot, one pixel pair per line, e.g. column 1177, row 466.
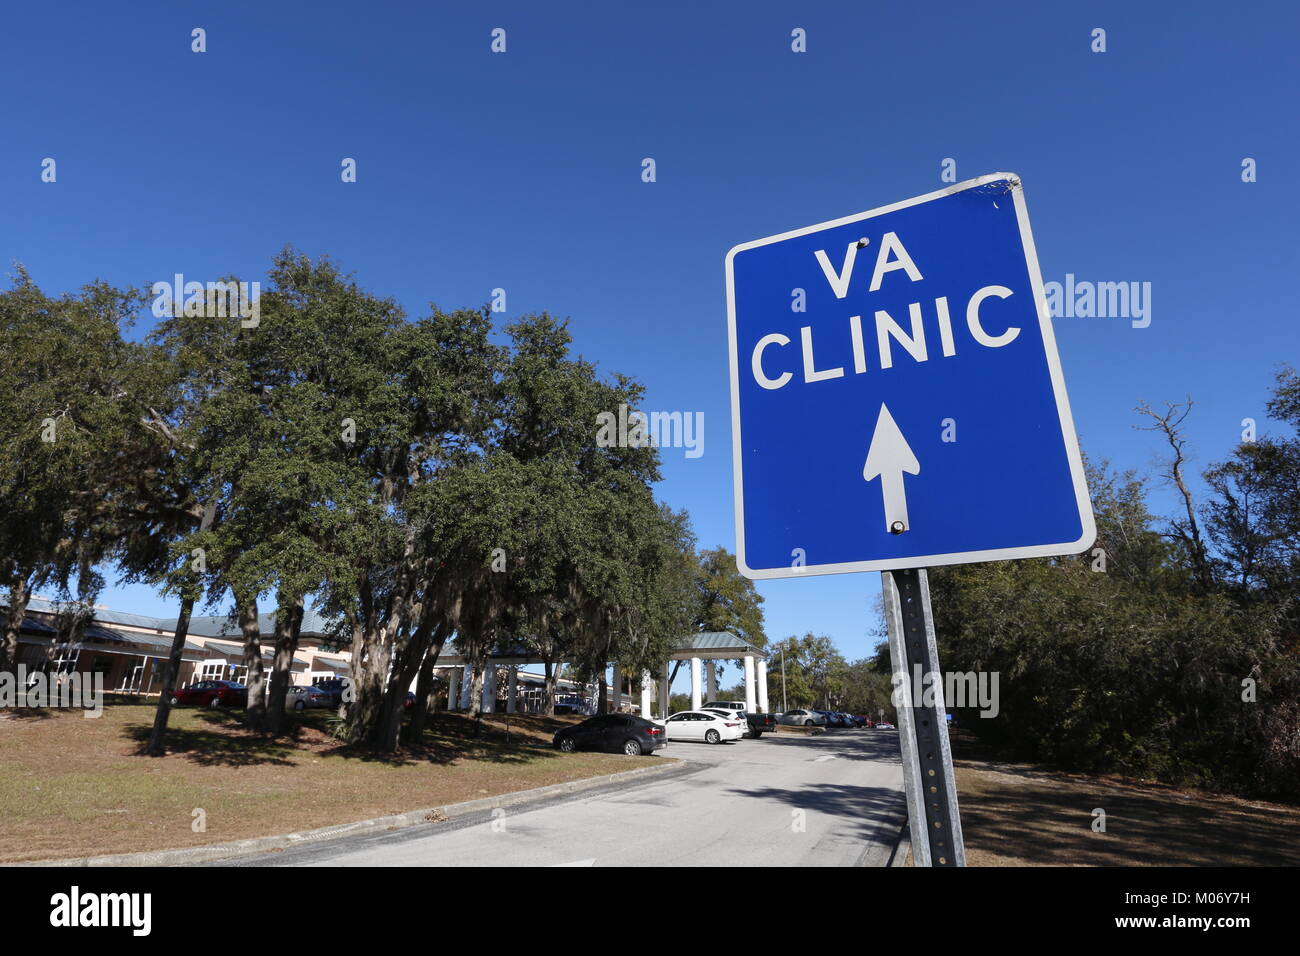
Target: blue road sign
column 896, row 396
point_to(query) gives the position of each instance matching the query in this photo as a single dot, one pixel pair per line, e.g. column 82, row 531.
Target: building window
column 212, row 670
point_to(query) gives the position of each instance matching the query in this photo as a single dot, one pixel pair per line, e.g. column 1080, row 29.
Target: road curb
column 397, row 821
column 902, row 848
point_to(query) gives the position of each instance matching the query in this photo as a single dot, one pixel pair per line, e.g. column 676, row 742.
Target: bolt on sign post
column 897, row 404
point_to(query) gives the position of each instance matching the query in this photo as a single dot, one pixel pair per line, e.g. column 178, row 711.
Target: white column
column 711, row 679
column 489, row 688
column 749, row 683
column 645, row 695
column 615, row 690
column 466, row 685
column 512, row 691
column 762, row 685
column 696, row 701
column 665, row 690
column 453, row 689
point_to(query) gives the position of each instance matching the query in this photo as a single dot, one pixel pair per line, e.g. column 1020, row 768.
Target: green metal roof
column 716, row 641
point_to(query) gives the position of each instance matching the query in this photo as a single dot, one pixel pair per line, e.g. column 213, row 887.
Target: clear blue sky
column 522, row 171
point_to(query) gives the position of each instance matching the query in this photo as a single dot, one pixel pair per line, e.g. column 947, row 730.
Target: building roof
column 226, row 625
column 215, row 625
column 715, row 644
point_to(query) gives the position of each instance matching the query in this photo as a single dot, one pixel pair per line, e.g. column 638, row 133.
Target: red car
column 212, row 693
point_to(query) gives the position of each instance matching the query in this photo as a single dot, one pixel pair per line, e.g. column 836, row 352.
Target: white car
column 701, row 725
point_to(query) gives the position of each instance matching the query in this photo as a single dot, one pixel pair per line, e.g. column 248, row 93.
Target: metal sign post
column 922, row 724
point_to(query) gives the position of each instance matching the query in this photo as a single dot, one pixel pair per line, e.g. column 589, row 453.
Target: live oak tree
column 179, row 485
column 67, row 386
column 727, row 600
column 413, row 480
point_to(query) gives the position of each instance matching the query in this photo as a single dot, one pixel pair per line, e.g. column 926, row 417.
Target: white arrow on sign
column 887, row 458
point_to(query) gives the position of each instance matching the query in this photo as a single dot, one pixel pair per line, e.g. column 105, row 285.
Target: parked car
column 613, row 733
column 708, row 726
column 885, row 725
column 302, row 696
column 802, row 718
column 212, row 693
column 832, row 719
column 334, row 687
column 858, row 720
column 758, row 724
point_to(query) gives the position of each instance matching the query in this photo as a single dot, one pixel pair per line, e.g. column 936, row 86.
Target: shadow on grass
column 30, row 713
column 450, row 737
column 447, row 738
column 227, row 744
column 1051, row 825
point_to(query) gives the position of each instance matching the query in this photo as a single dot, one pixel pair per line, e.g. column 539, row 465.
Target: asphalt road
column 830, row 800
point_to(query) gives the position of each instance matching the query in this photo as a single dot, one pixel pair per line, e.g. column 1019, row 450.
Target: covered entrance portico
column 703, row 651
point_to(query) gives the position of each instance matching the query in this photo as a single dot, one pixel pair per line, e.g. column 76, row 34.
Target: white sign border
column 1072, row 453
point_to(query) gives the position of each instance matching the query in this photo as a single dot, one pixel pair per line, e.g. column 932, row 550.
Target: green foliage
column 1137, row 670
column 726, row 599
column 69, row 397
column 815, row 673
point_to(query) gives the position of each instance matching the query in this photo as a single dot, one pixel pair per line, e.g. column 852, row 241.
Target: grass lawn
column 76, row 787
column 1027, row 815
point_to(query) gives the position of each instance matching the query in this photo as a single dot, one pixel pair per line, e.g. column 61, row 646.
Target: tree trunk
column 18, row 600
column 171, row 671
column 157, row 745
column 548, row 701
column 288, row 626
column 602, row 701
column 255, row 715
column 476, row 685
column 370, row 657
column 424, row 688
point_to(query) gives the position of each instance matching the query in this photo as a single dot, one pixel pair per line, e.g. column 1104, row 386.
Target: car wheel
column 215, row 702
column 568, row 745
column 299, row 705
column 712, row 737
column 175, row 701
column 807, row 723
column 632, row 748
column 756, row 734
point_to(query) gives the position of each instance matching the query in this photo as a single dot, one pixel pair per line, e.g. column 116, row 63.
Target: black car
column 334, row 686
column 613, row 733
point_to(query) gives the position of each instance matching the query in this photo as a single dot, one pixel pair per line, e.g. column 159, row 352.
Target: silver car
column 802, row 718
column 302, row 696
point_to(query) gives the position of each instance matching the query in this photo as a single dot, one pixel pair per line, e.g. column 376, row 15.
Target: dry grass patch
column 76, row 787
column 1029, row 815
